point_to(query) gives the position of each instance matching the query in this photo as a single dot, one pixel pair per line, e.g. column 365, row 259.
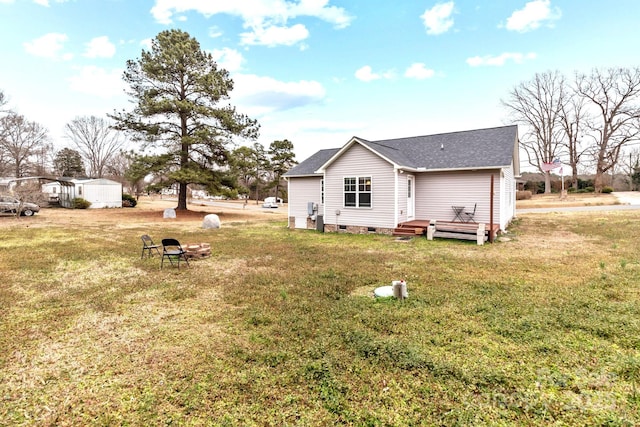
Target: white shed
column 102, row 193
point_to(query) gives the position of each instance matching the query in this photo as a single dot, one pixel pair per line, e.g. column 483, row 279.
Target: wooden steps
column 412, row 228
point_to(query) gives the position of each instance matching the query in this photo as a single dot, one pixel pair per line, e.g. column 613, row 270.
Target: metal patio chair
column 148, row 246
column 470, row 215
column 172, row 250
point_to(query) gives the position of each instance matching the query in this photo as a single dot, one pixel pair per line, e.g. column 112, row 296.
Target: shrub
column 128, row 201
column 523, row 195
column 536, row 187
column 80, row 203
column 607, row 190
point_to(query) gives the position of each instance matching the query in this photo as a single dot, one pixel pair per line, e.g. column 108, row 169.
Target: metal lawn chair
column 148, row 246
column 172, row 250
column 469, row 215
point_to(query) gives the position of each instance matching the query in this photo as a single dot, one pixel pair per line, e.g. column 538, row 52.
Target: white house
column 373, row 186
column 102, row 193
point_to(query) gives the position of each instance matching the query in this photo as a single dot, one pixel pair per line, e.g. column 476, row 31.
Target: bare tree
column 614, row 95
column 21, row 141
column 96, row 140
column 28, row 190
column 3, row 101
column 574, row 122
column 4, row 164
column 537, row 106
column 630, row 162
column 43, row 159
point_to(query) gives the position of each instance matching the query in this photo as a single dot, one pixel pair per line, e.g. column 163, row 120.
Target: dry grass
column 572, row 200
column 278, row 327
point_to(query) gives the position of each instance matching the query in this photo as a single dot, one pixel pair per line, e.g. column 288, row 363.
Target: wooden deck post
column 480, row 234
column 430, row 230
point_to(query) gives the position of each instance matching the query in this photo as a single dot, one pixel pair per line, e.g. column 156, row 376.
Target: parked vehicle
column 271, row 202
column 9, row 204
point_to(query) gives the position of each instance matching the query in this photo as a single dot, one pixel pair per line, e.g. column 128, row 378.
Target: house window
column 357, row 192
column 322, row 191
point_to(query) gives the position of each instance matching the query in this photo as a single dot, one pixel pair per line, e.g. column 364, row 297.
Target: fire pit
column 197, row 250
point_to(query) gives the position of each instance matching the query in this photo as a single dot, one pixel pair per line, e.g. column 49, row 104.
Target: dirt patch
column 148, row 210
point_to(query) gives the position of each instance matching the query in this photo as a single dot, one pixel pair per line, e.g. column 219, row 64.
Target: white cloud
column 532, row 16
column 48, row 46
column 229, row 59
column 100, row 47
column 266, row 20
column 256, row 95
column 500, row 60
column 215, row 32
column 320, row 9
column 41, row 2
column 274, row 36
column 366, row 74
column 146, row 43
column 438, row 19
column 419, row 71
column 97, row 81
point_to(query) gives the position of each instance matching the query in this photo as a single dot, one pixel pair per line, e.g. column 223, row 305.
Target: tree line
column 185, row 132
column 589, row 122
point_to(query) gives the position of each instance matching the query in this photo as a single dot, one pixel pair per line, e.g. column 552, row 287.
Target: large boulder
column 169, row 213
column 211, row 221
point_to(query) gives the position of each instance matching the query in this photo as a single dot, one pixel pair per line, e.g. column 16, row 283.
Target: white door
column 411, row 202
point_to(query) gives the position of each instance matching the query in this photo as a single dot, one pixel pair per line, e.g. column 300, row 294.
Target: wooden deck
column 446, row 229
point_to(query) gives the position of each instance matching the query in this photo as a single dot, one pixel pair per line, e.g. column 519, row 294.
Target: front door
column 411, row 203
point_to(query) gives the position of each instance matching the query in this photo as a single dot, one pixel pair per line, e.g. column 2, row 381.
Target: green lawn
column 278, row 327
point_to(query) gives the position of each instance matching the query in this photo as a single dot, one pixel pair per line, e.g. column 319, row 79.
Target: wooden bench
column 458, row 230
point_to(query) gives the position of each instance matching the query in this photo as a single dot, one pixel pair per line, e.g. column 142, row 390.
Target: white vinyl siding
column 437, row 192
column 358, row 161
column 101, row 193
column 508, row 189
column 302, row 191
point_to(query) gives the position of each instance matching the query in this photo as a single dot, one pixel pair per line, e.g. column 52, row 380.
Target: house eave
column 307, row 175
column 473, row 168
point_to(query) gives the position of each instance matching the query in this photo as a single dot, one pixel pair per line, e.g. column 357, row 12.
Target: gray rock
column 211, row 221
column 169, row 213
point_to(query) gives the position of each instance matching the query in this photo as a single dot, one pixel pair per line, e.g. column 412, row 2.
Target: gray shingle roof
column 481, row 148
column 312, row 164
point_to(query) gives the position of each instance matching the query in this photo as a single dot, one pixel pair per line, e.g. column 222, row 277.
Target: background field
column 278, row 327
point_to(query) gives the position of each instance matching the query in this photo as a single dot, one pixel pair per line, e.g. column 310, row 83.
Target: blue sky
column 315, row 72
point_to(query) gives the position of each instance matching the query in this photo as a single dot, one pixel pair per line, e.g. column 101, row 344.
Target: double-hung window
column 357, row 192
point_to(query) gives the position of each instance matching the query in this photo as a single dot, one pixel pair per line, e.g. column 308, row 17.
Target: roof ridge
column 383, row 145
column 443, row 133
